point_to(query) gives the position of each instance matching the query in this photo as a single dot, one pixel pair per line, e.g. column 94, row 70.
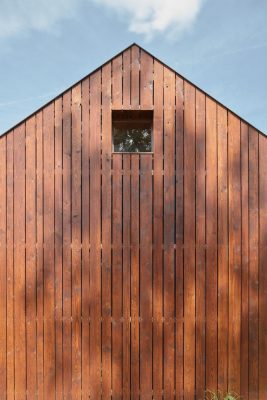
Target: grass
column 221, row 396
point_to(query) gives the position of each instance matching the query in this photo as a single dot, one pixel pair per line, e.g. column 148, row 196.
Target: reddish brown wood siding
column 133, row 275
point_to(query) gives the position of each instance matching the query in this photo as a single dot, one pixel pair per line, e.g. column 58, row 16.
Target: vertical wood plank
column 222, row 250
column 117, row 277
column 234, row 252
column 200, row 242
column 145, row 276
column 126, row 277
column 95, row 236
column 30, row 257
column 10, row 267
column 135, row 277
column 58, row 246
column 179, row 284
column 66, row 281
column 169, row 231
column 85, row 239
column 158, row 233
column 3, row 268
column 126, row 255
column 211, row 241
column 106, row 229
column 244, row 360
column 117, row 308
column 262, row 267
column 117, row 82
column 189, row 241
column 135, row 77
column 253, row 263
column 76, row 241
column 146, row 80
column 146, row 101
column 126, row 77
column 19, row 261
column 39, row 255
column 49, row 289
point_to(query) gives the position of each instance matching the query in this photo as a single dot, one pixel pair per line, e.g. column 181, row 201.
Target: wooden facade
column 133, row 276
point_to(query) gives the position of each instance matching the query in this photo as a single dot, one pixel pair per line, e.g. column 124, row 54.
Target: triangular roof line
column 108, row 61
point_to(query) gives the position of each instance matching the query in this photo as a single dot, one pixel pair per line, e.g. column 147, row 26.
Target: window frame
column 123, row 121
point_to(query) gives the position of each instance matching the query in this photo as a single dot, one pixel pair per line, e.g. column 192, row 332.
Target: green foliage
column 221, row 396
column 132, row 139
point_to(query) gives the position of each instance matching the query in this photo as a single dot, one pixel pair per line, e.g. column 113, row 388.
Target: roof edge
column 108, row 61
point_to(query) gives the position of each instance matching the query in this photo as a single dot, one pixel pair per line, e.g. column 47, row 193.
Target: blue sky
column 47, row 45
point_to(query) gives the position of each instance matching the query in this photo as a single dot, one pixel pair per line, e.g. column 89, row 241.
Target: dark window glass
column 132, row 131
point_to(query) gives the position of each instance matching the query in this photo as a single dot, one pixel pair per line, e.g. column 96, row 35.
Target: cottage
column 133, row 242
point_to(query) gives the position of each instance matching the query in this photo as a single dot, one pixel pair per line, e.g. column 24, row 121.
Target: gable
column 135, row 72
column 136, row 274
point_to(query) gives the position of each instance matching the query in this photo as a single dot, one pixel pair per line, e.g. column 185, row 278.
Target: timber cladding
column 133, row 276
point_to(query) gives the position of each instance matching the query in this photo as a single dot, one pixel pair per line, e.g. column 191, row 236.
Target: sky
column 47, row 45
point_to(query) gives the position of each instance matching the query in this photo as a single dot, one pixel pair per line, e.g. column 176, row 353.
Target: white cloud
column 41, row 15
column 146, row 17
column 155, row 16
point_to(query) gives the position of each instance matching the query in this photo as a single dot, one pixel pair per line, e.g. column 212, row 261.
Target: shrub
column 221, row 396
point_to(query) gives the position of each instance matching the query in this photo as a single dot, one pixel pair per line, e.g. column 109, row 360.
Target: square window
column 132, row 131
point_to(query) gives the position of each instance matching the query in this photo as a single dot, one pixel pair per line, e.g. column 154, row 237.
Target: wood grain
column 30, row 257
column 253, row 263
column 189, row 241
column 49, row 267
column 10, row 266
column 200, row 242
column 19, row 262
column 223, row 278
column 3, row 264
column 134, row 276
column 95, row 237
column 234, row 253
column 211, row 241
column 158, row 233
column 262, row 267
